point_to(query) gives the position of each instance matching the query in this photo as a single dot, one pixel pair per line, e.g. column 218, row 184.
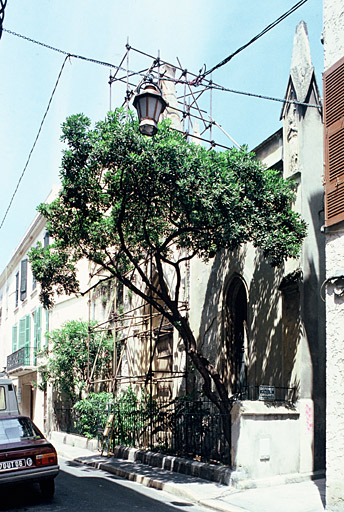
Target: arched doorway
column 236, row 335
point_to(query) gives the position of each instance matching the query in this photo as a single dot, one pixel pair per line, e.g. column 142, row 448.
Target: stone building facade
column 264, row 328
column 25, row 324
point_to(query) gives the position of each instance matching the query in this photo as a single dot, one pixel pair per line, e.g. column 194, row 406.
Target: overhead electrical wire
column 35, row 141
column 69, row 54
column 261, row 96
column 255, row 38
column 2, row 14
column 195, row 82
column 215, row 86
column 143, row 74
column 218, row 87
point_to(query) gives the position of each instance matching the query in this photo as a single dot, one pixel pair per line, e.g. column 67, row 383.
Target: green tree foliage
column 72, row 347
column 92, row 413
column 131, row 415
column 125, row 196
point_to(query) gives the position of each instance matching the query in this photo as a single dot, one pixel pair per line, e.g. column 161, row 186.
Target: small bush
column 92, row 413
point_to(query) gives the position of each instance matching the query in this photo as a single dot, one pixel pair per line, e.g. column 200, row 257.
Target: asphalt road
column 83, row 488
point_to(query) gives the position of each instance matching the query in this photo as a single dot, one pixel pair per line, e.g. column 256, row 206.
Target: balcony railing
column 24, row 357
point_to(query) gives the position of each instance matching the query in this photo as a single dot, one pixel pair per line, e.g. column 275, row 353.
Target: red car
column 26, row 455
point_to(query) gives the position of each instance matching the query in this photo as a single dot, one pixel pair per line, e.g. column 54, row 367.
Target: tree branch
column 95, row 285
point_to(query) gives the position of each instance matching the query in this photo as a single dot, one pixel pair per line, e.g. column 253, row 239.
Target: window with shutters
column 24, row 332
column 334, row 143
column 23, row 279
column 14, row 338
column 27, row 331
column 46, row 327
column 17, row 290
column 37, row 318
column 21, row 338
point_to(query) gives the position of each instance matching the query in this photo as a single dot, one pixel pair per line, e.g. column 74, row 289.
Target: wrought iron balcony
column 22, row 361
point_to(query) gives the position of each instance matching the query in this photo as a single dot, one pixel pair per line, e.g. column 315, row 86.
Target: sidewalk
column 297, row 497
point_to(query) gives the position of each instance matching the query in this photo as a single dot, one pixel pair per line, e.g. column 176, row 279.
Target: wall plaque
column 266, row 393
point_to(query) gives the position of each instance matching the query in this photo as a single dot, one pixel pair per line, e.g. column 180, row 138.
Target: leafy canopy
column 74, row 349
column 124, row 194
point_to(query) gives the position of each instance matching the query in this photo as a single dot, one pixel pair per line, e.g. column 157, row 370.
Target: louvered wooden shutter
column 23, row 279
column 22, row 324
column 37, row 328
column 27, row 331
column 17, row 289
column 334, row 143
column 14, row 338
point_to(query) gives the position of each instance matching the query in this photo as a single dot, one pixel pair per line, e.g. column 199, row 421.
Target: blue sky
column 196, row 31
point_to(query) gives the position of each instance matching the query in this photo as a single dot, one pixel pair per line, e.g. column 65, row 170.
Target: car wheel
column 47, row 489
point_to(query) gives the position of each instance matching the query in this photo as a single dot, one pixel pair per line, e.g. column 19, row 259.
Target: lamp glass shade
column 149, row 105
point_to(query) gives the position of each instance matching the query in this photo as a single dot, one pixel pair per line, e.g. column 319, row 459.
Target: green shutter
column 14, row 338
column 27, row 340
column 27, row 331
column 22, row 325
column 37, row 328
column 46, row 327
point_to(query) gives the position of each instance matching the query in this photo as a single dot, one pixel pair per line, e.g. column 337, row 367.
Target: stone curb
column 204, row 493
column 219, row 474
column 203, row 470
column 74, row 440
column 206, row 471
column 159, row 484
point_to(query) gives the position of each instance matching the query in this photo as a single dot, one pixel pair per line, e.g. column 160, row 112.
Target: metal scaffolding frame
column 188, row 100
column 127, row 325
column 137, row 322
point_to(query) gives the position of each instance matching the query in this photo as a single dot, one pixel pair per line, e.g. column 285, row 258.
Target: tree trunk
column 210, row 375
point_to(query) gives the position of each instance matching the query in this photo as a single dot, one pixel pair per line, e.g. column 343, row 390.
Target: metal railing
column 25, row 356
column 188, row 428
column 267, row 393
column 191, row 429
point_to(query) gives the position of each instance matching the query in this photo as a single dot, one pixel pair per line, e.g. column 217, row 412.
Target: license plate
column 12, row 464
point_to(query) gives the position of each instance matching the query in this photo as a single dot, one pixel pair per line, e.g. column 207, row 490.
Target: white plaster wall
column 312, row 346
column 333, row 31
column 335, row 377
column 67, row 308
column 26, row 384
column 261, row 435
column 333, row 51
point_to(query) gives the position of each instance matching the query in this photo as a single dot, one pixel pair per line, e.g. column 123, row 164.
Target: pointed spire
column 302, row 76
column 301, row 69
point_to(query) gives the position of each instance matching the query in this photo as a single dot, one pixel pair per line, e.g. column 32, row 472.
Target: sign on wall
column 266, row 393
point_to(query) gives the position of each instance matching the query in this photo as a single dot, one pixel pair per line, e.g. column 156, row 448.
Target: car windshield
column 16, row 430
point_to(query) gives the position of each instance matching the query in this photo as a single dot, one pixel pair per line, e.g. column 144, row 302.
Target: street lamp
column 149, row 105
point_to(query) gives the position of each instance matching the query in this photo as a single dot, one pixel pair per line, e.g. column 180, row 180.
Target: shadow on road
column 85, row 493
